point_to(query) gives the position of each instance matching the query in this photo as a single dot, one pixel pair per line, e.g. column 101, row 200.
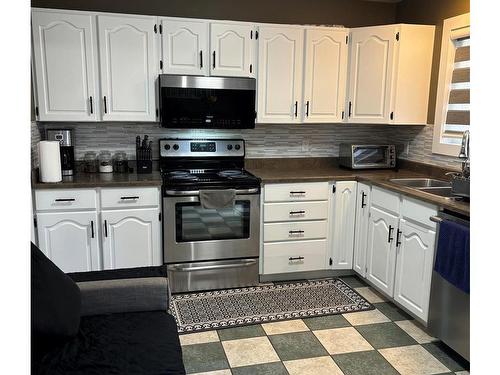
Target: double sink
column 427, row 185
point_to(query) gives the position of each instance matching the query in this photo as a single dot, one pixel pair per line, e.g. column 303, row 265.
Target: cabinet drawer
column 130, row 197
column 313, row 191
column 69, row 199
column 385, row 199
column 277, row 256
column 295, row 211
column 293, row 231
column 419, row 211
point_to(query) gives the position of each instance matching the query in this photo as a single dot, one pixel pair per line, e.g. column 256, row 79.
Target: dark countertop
column 92, row 180
column 327, row 169
column 282, row 170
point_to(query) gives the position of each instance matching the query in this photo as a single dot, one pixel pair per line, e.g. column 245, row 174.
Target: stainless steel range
column 211, row 208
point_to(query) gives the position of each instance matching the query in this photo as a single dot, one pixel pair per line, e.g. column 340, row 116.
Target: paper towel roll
column 49, row 157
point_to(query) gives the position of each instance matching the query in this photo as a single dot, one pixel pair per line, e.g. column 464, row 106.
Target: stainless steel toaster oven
column 364, row 156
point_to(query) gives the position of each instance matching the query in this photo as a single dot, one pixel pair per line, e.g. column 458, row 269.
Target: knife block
column 144, row 166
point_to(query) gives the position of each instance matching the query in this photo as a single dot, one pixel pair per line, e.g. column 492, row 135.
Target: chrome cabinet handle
column 214, row 267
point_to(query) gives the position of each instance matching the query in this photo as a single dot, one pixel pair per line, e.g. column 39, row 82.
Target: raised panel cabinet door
column 344, row 215
column 70, row 240
column 128, row 60
column 65, row 64
column 361, row 228
column 185, row 47
column 415, row 256
column 131, row 238
column 325, row 74
column 230, row 49
column 371, row 70
column 279, row 83
column 381, row 249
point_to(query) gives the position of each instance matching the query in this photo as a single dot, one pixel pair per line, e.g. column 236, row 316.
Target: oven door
column 370, row 157
column 192, row 233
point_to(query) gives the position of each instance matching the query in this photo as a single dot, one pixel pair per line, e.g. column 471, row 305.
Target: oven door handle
column 213, row 267
column 197, row 192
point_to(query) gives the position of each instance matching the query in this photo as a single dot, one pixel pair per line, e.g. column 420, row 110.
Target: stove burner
column 232, row 173
column 182, row 175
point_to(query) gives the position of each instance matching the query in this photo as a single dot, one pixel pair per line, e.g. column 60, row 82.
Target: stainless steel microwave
column 357, row 156
column 207, row 102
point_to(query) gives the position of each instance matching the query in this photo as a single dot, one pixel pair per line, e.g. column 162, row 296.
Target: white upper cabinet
column 128, row 60
column 325, row 73
column 389, row 77
column 70, row 240
column 231, row 49
column 131, row 238
column 344, row 214
column 280, row 74
column 414, row 267
column 65, row 64
column 185, row 46
column 361, row 228
column 372, row 59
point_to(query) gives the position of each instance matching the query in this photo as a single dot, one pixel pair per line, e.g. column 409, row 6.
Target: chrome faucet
column 465, row 154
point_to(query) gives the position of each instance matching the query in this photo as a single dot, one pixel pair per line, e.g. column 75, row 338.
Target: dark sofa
column 108, row 322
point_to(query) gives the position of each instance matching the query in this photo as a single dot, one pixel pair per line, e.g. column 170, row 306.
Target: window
column 453, row 96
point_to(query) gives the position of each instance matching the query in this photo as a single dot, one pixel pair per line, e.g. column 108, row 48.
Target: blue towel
column 453, row 254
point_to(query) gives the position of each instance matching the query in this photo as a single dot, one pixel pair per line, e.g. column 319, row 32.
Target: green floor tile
column 204, row 357
column 326, row 322
column 298, row 345
column 244, row 332
column 364, row 363
column 353, row 281
column 385, row 335
column 392, row 311
column 446, row 356
column 275, row 368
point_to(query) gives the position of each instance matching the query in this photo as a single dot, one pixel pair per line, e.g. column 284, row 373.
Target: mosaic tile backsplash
column 265, row 141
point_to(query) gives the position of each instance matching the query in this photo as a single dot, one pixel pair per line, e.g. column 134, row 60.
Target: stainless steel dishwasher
column 449, row 310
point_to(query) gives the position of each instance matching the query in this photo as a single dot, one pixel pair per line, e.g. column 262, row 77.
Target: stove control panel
column 202, row 147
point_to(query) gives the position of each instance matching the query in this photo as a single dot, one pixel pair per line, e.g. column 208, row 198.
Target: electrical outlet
column 305, row 145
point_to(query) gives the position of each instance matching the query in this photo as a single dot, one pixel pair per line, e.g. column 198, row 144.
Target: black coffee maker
column 65, row 138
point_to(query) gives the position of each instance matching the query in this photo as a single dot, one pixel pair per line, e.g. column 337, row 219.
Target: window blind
column 458, row 109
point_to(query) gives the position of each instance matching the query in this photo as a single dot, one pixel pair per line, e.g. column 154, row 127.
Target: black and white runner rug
column 217, row 309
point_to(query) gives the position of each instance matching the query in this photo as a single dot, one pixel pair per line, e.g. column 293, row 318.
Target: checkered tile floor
column 376, row 342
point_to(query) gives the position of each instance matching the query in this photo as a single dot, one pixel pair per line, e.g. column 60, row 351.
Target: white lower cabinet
column 415, row 256
column 131, row 238
column 78, row 236
column 295, row 227
column 361, row 228
column 381, row 251
column 70, row 240
column 343, row 217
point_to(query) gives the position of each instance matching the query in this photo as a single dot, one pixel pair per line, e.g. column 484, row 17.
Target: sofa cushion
column 55, row 303
column 126, row 343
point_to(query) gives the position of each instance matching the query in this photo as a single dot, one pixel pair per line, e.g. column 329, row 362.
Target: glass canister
column 90, row 164
column 105, row 162
column 120, row 162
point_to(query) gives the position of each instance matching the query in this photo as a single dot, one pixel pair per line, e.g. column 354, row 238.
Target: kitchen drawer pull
column 389, row 237
column 91, row 106
column 307, row 109
column 297, row 212
column 295, row 258
column 201, row 59
column 213, row 62
column 350, row 109
column 105, row 105
column 296, row 107
column 105, row 228
column 295, row 231
column 363, row 204
column 92, row 228
column 398, row 233
column 65, row 200
column 128, row 198
column 297, row 192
